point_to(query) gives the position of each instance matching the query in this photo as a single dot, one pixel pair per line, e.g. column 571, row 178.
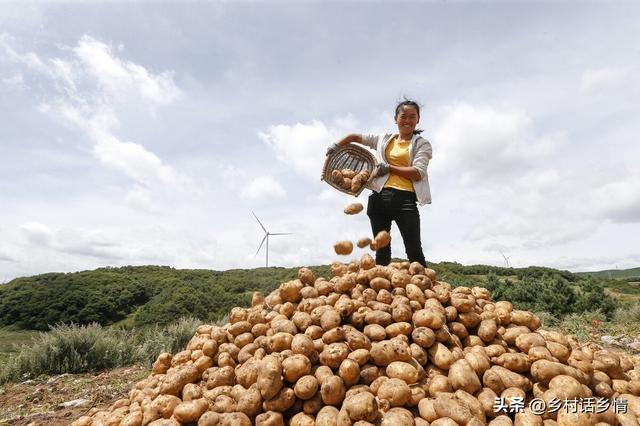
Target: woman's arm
column 353, row 137
column 408, row 172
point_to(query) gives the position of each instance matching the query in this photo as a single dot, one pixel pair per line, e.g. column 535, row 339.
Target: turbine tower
column 266, row 238
column 506, row 259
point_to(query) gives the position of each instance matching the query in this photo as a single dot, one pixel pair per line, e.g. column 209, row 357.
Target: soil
column 36, row 402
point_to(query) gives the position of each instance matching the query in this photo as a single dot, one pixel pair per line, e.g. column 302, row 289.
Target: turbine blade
column 261, row 225
column 281, row 233
column 265, row 237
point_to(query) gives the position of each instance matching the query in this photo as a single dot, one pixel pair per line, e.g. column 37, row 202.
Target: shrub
column 172, row 338
column 84, row 348
column 72, row 349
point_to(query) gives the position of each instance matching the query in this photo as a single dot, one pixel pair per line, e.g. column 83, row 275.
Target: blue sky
column 146, row 133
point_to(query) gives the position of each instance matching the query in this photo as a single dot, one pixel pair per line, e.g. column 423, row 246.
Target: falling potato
column 353, row 208
column 343, row 247
column 382, row 239
column 363, row 242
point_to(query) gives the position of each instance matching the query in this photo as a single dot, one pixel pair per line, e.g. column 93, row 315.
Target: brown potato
column 353, row 208
column 343, row 247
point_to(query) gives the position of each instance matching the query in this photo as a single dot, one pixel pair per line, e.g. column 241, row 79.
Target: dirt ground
column 36, row 402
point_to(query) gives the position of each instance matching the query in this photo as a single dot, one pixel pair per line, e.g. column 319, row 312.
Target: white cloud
column 620, row 199
column 594, row 80
column 37, row 233
column 263, row 188
column 120, row 78
column 302, row 146
column 92, row 85
column 14, row 80
column 484, row 143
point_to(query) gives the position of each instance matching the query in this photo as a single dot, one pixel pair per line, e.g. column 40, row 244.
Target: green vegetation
column 620, row 274
column 142, row 295
column 132, row 297
column 119, row 316
column 80, row 349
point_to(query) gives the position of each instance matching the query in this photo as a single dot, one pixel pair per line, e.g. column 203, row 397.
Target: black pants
column 400, row 206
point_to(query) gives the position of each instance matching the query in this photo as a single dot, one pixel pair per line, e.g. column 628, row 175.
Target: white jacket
column 421, row 153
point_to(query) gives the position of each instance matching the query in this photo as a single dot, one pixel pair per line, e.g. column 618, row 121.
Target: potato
column 281, row 402
column 447, row 405
column 396, row 391
column 333, row 354
column 190, row 411
column 526, row 341
column 499, row 378
column 353, row 208
column 343, row 247
column 444, row 421
column 502, row 420
column 250, row 401
column 173, row 382
column 462, row 376
column 518, row 362
column 332, row 390
column 403, row 371
column 385, row 352
column 294, row 367
column 269, row 378
column 397, row 417
column 429, row 318
column 349, row 372
column 302, row 419
column 306, row 387
column 381, row 240
column 163, row 406
column 441, row 356
column 361, row 406
column 487, row 330
column 543, row 371
column 364, row 242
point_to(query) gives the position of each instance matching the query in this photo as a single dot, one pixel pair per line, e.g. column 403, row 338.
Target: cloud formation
column 263, row 188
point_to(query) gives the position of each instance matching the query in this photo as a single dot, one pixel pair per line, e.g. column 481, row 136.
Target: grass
column 11, row 339
column 79, row 349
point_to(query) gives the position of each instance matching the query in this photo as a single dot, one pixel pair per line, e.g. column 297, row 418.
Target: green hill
column 620, row 274
column 138, row 296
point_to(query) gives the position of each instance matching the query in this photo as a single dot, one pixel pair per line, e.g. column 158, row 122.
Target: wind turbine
column 266, row 238
column 506, row 259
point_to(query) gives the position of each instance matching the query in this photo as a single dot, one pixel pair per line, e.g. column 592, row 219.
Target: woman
column 400, row 180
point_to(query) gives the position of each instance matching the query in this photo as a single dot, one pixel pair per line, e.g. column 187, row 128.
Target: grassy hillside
column 619, row 274
column 138, row 296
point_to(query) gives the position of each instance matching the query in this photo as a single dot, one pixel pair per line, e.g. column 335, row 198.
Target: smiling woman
column 401, row 180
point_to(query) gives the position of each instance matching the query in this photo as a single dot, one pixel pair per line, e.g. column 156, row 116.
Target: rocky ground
column 58, row 400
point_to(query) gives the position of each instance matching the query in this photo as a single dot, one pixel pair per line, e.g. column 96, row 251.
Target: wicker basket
column 349, row 157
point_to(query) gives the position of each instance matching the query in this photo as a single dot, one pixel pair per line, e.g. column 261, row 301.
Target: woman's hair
column 408, row 102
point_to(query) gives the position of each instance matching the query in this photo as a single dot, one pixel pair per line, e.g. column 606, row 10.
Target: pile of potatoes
column 375, row 345
column 350, row 180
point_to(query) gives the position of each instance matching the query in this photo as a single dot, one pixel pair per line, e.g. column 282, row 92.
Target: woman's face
column 407, row 120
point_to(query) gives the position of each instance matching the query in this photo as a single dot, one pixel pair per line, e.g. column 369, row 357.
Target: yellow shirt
column 398, row 154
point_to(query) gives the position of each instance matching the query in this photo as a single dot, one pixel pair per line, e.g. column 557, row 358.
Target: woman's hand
column 353, row 137
column 333, row 149
column 382, row 169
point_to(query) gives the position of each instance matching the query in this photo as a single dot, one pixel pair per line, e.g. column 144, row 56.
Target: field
column 11, row 340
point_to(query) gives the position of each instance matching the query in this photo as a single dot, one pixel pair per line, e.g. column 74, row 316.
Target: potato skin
column 269, row 377
column 343, row 248
column 353, row 208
